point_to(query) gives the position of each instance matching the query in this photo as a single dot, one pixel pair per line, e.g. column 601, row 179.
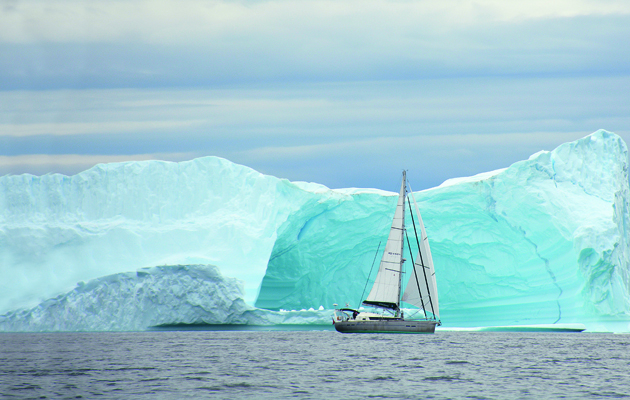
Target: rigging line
column 424, row 270
column 372, row 268
column 416, row 275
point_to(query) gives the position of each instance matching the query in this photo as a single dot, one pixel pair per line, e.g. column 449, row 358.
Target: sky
column 345, row 93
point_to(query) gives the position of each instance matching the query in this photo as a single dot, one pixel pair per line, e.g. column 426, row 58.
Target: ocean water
column 313, row 365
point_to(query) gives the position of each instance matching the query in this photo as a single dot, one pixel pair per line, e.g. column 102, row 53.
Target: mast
column 402, row 241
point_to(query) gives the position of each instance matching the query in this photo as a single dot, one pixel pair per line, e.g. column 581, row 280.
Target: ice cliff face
column 545, row 240
column 552, row 230
column 57, row 230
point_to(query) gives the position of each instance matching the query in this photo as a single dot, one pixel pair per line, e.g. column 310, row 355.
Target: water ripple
column 312, row 365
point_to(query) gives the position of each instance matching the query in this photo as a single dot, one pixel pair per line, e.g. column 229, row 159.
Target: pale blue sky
column 343, row 93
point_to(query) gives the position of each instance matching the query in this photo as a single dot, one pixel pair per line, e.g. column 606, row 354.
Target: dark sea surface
column 313, row 365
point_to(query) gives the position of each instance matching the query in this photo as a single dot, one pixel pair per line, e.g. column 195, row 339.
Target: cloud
column 338, row 134
column 74, row 44
column 176, row 22
column 85, row 128
column 345, row 93
column 371, row 162
column 70, row 164
column 432, row 158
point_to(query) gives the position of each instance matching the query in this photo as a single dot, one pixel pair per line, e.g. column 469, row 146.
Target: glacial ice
column 543, row 241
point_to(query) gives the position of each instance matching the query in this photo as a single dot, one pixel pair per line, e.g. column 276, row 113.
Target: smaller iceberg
column 159, row 296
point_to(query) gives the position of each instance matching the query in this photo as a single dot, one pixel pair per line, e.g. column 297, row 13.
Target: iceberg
column 544, row 241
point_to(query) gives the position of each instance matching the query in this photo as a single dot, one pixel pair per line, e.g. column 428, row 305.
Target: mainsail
column 386, row 289
column 421, row 291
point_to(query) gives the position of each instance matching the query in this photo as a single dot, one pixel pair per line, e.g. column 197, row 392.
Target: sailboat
column 387, row 294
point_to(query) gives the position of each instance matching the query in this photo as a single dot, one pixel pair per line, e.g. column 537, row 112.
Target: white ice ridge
column 543, row 241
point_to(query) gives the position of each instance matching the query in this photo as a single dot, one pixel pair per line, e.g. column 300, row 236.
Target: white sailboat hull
column 386, row 326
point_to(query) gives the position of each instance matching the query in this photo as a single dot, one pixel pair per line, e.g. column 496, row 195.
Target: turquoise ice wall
column 542, row 241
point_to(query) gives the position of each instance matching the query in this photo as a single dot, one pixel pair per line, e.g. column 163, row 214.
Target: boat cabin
column 349, row 314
